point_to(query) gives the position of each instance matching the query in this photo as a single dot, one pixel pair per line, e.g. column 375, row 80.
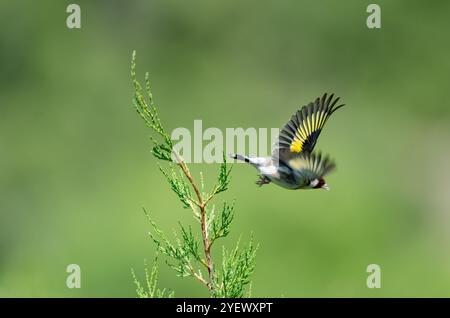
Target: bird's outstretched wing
column 300, row 134
column 311, row 166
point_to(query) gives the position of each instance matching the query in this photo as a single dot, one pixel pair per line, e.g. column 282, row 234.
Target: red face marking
column 320, row 184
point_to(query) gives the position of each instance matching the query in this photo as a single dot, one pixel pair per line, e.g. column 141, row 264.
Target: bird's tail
column 255, row 161
column 240, row 157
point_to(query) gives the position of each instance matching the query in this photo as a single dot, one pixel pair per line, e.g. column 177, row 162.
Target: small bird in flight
column 293, row 164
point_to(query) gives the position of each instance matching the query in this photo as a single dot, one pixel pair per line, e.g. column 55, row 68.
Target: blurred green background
column 76, row 168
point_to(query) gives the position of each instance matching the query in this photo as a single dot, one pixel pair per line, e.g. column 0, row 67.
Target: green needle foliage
column 151, row 279
column 190, row 253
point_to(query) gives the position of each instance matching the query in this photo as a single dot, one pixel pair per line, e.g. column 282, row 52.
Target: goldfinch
column 293, row 164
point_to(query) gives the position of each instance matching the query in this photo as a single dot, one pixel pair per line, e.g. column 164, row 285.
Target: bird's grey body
column 280, row 173
column 293, row 165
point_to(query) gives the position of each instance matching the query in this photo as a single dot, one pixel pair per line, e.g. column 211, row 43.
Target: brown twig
column 198, row 276
column 201, row 204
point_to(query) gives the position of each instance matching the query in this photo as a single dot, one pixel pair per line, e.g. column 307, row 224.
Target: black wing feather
column 301, row 132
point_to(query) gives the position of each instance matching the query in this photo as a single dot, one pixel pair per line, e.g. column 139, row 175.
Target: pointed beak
column 326, row 187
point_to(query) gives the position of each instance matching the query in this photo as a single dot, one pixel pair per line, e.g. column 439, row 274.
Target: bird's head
column 319, row 184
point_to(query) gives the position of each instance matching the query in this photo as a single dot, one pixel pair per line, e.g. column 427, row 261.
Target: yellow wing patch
column 306, row 128
column 301, row 132
column 297, row 145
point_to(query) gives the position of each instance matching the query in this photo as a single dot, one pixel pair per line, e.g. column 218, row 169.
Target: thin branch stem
column 210, row 196
column 203, row 218
column 199, row 277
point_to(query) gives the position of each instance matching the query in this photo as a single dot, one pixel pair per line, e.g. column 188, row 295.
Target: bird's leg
column 262, row 180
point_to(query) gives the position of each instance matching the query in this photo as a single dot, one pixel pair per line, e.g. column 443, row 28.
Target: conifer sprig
column 191, row 254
